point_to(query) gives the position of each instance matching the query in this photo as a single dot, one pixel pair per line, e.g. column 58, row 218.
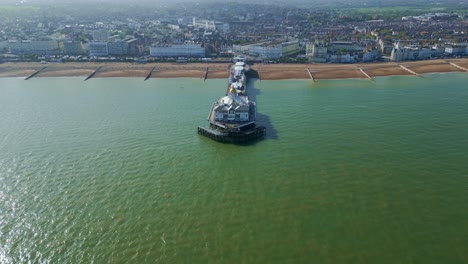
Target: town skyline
column 51, row 30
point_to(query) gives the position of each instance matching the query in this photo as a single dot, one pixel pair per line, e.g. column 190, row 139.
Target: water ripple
column 107, row 173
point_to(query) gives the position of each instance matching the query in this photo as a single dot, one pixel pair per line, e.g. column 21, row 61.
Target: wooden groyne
column 35, row 73
column 93, row 73
column 367, row 75
column 310, row 74
column 206, row 74
column 233, row 137
column 410, row 71
column 149, row 73
column 458, row 66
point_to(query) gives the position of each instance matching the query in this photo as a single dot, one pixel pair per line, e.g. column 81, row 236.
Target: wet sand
column 219, row 70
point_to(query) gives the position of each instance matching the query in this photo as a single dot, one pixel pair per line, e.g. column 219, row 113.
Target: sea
column 112, row 170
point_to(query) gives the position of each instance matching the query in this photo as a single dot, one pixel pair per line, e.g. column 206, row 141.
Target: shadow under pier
column 253, row 92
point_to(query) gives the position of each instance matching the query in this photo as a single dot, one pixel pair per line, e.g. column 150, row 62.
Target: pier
column 458, row 66
column 367, row 75
column 410, row 71
column 240, row 125
column 149, row 73
column 35, row 73
column 93, row 73
column 310, row 74
column 232, row 136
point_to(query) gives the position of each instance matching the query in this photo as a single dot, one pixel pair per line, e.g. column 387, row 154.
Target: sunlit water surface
column 352, row 171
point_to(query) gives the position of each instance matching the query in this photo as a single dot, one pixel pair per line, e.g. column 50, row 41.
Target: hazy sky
column 283, row 2
column 160, row 1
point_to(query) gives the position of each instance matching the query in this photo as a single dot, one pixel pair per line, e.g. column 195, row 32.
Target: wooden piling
column 35, row 73
column 233, row 136
column 93, row 73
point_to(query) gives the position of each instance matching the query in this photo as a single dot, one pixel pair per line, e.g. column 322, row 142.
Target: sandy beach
column 219, row 70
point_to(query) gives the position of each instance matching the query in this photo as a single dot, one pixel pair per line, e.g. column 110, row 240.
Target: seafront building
column 117, row 47
column 265, row 51
column 371, row 55
column 341, row 52
column 73, row 47
column 459, row 49
column 346, row 46
column 98, row 48
column 317, row 51
column 386, row 46
column 114, row 47
column 342, row 58
column 34, row 47
column 412, row 52
column 183, row 50
column 269, row 49
column 133, row 47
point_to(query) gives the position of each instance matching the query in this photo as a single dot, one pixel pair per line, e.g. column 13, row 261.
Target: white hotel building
column 98, row 48
column 269, row 49
column 184, row 50
column 38, row 47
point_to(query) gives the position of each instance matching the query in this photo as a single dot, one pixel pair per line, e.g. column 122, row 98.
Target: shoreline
column 317, row 71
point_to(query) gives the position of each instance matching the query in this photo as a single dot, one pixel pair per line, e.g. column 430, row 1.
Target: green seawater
column 351, row 171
